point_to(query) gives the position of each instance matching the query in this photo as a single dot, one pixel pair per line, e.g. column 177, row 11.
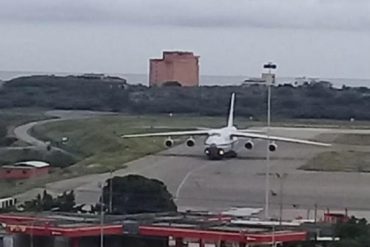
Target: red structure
column 24, row 170
column 334, row 218
column 49, row 227
column 175, row 66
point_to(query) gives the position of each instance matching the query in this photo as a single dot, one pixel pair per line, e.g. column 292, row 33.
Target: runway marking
column 186, row 178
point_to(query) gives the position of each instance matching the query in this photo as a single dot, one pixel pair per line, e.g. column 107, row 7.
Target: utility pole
column 31, row 235
column 111, row 193
column 281, row 178
column 315, row 221
column 268, row 66
column 101, row 187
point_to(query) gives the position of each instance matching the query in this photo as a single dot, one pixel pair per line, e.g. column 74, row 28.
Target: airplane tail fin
column 230, row 121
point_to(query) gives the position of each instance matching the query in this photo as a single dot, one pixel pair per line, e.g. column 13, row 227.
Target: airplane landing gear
column 231, row 154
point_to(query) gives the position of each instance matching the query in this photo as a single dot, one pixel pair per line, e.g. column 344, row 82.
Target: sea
column 205, row 80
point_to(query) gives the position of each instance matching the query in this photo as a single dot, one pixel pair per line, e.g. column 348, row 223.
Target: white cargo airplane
column 220, row 143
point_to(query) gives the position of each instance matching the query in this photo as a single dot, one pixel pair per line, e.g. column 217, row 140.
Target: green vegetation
column 345, row 139
column 135, row 194
column 3, row 133
column 12, row 187
column 351, row 155
column 98, row 141
column 307, row 101
column 344, row 160
column 354, row 233
column 10, row 118
column 64, row 203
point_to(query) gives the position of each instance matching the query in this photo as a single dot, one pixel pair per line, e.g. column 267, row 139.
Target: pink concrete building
column 179, row 66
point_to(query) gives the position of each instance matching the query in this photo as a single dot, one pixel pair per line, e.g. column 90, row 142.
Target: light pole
column 281, row 178
column 270, row 80
column 31, row 234
column 111, row 192
column 101, row 187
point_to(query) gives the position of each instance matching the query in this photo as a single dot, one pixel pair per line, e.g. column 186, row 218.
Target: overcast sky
column 324, row 38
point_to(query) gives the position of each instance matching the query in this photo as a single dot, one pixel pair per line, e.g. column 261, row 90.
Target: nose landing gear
column 214, row 153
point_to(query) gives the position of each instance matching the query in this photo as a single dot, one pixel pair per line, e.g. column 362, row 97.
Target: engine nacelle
column 190, row 142
column 168, row 142
column 249, row 145
column 272, row 147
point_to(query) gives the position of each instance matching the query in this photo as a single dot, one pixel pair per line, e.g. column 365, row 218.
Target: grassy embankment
column 11, row 118
column 17, row 116
column 351, row 154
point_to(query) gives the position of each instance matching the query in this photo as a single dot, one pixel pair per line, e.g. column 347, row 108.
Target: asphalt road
column 198, row 183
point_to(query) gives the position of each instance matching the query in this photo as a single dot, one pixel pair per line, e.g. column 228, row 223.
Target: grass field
column 351, row 155
column 344, row 161
column 16, row 116
column 345, row 139
column 98, row 143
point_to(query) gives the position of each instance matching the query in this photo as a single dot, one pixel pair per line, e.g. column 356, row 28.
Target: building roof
column 36, row 164
column 242, row 212
column 77, row 225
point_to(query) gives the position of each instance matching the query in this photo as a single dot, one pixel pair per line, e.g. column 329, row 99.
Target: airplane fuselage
column 220, row 143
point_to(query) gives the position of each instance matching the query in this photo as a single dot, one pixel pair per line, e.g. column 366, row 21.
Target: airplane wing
column 173, row 133
column 277, row 138
column 251, row 131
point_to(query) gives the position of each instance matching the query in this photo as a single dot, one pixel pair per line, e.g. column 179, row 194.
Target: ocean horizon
column 205, row 80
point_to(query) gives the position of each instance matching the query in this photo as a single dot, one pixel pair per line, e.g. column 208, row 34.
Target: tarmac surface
column 198, row 183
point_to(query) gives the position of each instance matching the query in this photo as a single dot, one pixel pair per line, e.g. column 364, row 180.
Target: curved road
column 22, row 132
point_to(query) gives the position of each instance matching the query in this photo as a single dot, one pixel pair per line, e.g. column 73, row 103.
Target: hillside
column 70, row 92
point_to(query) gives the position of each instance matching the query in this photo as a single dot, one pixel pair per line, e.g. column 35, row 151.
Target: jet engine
column 190, row 142
column 249, row 145
column 272, row 147
column 168, row 142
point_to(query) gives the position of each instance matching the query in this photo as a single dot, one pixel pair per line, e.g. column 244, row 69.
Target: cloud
column 310, row 14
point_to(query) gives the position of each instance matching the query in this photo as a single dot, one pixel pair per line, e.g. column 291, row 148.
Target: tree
column 352, row 229
column 171, row 84
column 47, row 201
column 64, row 202
column 3, row 133
column 354, row 233
column 137, row 194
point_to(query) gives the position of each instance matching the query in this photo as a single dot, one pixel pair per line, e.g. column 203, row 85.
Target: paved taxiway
column 198, row 183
